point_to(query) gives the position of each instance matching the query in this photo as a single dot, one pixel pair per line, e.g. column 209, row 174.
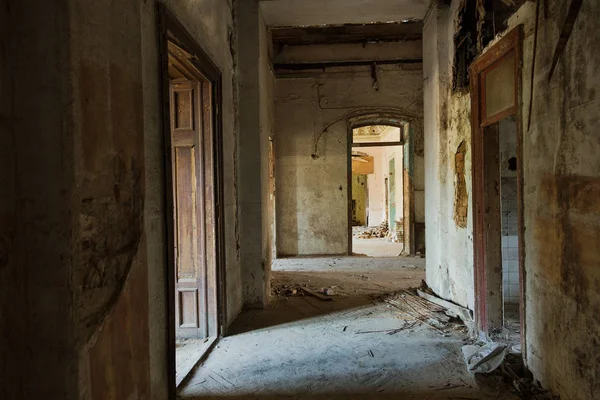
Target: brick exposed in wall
column 461, row 198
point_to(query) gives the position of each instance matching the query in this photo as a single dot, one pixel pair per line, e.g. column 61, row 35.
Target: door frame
column 370, row 119
column 511, row 42
column 170, row 29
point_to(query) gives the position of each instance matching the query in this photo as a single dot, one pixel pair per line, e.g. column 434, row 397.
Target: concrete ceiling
column 338, row 12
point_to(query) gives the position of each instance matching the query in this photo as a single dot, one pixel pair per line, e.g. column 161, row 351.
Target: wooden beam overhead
column 350, row 33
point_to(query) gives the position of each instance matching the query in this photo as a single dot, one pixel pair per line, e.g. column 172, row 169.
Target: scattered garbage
column 484, row 359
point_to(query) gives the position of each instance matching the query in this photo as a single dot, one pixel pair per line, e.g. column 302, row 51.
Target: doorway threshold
column 190, row 353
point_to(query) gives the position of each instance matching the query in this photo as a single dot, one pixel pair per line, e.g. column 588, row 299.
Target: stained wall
column 561, row 173
column 311, row 166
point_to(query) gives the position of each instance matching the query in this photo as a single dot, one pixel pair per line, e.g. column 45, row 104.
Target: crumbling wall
column 447, row 125
column 311, row 182
column 561, row 177
column 562, row 188
column 461, row 199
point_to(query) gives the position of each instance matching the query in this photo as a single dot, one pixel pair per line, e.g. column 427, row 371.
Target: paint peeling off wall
column 561, row 177
column 447, row 125
column 461, row 199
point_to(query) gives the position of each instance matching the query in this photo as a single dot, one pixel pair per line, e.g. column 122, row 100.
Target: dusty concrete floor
column 341, row 264
column 305, row 348
column 376, row 247
column 187, row 354
column 348, row 276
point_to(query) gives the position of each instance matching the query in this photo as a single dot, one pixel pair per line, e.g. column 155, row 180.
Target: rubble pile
column 380, row 231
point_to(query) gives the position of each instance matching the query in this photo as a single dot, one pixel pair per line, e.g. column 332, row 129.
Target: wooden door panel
column 183, row 103
column 209, row 212
column 188, row 202
column 185, row 197
column 188, row 307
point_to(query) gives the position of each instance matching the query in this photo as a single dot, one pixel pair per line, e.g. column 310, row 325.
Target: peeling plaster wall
column 312, row 203
column 449, row 247
column 561, row 192
column 562, row 213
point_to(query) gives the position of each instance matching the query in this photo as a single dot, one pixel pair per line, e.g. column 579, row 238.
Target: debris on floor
column 484, row 359
column 506, row 367
column 420, row 310
column 318, row 295
column 365, row 350
column 451, row 309
column 362, row 232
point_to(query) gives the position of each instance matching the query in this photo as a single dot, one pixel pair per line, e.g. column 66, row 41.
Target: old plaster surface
column 312, row 204
column 256, row 81
column 446, row 126
column 561, row 188
column 562, row 216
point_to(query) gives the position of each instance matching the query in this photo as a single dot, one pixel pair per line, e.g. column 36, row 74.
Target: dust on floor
column 301, row 349
column 376, row 247
column 354, row 347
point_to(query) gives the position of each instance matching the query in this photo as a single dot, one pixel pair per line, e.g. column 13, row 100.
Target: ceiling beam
column 349, row 33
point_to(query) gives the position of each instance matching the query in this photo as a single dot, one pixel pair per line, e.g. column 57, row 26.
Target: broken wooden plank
column 462, row 312
column 535, row 42
column 565, row 34
column 316, row 294
column 384, row 330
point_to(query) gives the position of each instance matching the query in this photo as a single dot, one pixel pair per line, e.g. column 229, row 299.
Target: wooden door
column 188, row 204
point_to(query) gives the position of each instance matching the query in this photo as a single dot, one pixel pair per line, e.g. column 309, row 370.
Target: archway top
column 377, row 119
column 358, row 118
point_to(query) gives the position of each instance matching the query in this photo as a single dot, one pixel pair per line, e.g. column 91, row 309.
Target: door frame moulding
column 370, row 118
column 511, row 42
column 172, row 35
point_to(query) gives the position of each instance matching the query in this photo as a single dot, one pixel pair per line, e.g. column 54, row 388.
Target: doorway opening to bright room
column 377, row 202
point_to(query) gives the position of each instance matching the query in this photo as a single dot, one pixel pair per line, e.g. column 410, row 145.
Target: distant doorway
column 377, row 193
